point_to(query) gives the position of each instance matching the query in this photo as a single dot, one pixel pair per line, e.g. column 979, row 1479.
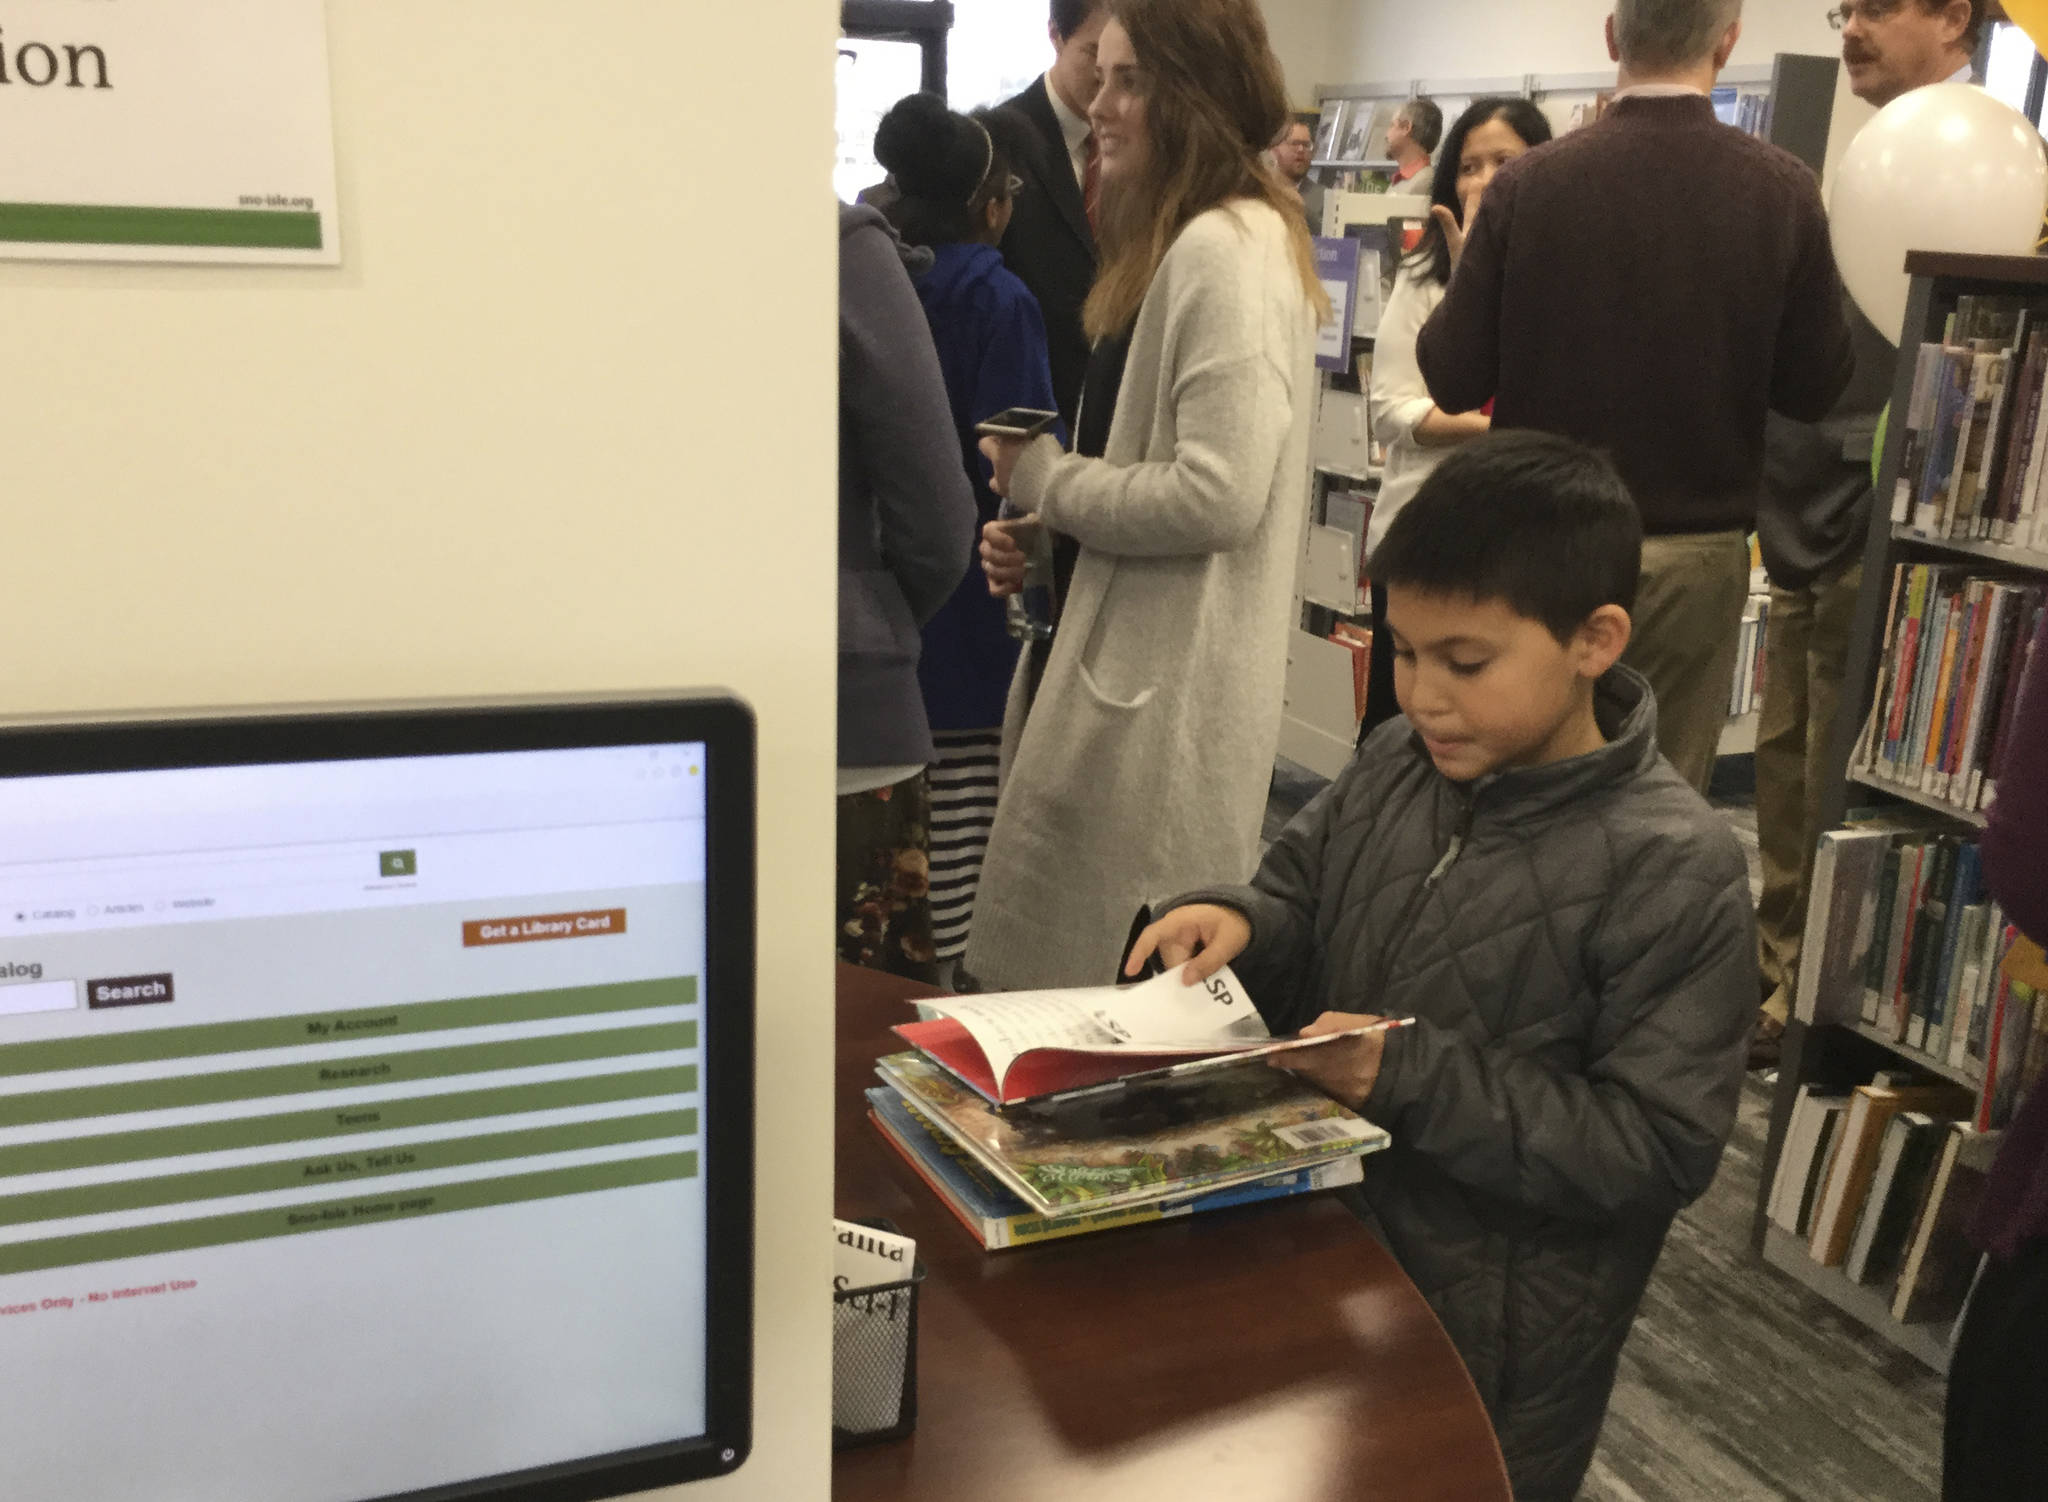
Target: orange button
column 611, row 920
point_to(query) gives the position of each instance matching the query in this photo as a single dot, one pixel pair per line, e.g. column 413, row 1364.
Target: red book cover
column 1039, row 1072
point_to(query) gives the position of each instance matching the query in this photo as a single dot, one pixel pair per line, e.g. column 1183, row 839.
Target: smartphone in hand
column 1017, row 422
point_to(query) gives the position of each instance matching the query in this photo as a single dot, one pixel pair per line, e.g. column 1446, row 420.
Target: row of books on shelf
column 1749, row 113
column 1903, row 938
column 1976, row 449
column 1747, row 692
column 1354, row 131
column 1035, row 1116
column 1955, row 649
column 1880, row 1181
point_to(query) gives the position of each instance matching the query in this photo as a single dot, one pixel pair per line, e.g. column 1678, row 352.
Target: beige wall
column 1401, row 39
column 562, row 420
column 1303, row 32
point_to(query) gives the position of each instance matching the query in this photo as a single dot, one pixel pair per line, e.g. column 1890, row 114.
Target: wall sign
column 1337, row 270
column 143, row 131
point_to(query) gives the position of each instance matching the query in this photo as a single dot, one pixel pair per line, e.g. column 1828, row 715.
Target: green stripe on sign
column 335, row 1168
column 378, row 1116
column 103, row 224
column 150, row 1045
column 328, row 1215
column 340, row 1074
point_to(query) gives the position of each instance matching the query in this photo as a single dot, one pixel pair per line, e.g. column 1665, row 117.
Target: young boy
column 1515, row 866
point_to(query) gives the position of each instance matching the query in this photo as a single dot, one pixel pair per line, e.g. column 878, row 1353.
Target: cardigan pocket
column 1122, row 706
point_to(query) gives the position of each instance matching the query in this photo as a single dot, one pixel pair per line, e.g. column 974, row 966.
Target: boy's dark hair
column 1425, row 123
column 1069, row 16
column 1540, row 523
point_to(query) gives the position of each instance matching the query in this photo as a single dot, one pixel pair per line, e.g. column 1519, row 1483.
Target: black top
column 1050, row 246
column 1091, row 441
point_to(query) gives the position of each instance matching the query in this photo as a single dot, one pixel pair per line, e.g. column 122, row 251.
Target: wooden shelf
column 1996, row 552
column 2018, row 269
column 1914, row 795
column 1864, row 1304
column 1914, row 1056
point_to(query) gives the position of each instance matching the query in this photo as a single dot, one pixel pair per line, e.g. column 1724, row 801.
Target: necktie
column 1091, row 179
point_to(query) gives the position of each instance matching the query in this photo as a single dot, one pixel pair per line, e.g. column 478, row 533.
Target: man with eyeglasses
column 1892, row 47
column 1292, row 154
column 1815, row 517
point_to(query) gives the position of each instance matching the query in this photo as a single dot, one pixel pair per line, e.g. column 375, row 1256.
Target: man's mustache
column 1855, row 55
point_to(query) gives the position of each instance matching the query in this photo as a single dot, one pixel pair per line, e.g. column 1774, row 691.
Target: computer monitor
column 376, row 1102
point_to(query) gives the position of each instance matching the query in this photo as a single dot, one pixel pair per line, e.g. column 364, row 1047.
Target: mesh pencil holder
column 874, row 1361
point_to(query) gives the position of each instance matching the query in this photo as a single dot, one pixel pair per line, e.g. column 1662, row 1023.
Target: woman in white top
column 1141, row 767
column 1492, row 133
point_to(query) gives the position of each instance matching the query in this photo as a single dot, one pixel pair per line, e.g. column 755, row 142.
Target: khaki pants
column 1806, row 647
column 1688, row 620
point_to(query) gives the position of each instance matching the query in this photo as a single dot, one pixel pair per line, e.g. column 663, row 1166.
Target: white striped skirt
column 963, row 791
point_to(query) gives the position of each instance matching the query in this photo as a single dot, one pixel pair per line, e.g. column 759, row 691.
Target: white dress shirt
column 1076, row 130
column 1658, row 91
column 1399, row 399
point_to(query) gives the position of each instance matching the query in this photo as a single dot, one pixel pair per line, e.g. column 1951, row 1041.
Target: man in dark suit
column 1051, row 240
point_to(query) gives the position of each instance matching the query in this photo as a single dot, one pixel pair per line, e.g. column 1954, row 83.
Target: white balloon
column 1948, row 167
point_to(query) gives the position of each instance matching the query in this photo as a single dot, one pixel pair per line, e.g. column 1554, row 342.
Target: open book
column 1015, row 1047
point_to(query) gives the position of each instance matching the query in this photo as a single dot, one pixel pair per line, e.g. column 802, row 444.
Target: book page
column 1160, row 1016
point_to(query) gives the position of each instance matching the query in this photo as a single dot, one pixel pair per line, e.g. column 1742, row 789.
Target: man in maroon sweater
column 1652, row 285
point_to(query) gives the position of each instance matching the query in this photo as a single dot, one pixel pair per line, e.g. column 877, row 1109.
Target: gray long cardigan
column 1144, row 765
column 1583, row 970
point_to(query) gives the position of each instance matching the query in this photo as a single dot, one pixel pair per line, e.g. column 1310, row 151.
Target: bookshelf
column 1787, row 1253
column 1844, row 1054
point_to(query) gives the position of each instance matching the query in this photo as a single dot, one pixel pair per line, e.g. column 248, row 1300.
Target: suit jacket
column 1050, row 247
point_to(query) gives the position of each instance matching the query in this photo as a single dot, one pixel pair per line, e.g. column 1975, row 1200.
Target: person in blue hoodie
column 955, row 185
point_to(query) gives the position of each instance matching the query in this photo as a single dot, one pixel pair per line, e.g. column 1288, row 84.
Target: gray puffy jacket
column 1577, row 944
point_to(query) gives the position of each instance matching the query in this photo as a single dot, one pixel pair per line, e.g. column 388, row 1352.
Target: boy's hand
column 1203, row 937
column 1345, row 1070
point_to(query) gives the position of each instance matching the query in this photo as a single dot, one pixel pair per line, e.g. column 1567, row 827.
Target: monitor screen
column 361, row 1082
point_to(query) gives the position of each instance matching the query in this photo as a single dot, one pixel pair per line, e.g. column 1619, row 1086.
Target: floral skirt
column 884, row 880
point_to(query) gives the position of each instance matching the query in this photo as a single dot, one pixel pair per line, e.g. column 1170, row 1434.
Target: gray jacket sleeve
column 896, row 417
column 1640, row 1129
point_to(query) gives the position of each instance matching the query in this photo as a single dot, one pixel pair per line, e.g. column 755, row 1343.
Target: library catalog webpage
column 349, row 1123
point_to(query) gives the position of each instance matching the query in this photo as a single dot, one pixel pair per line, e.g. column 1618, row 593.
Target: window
column 998, row 47
column 887, row 48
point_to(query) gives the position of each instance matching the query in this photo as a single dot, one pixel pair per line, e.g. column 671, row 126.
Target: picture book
column 1133, row 1147
column 999, row 1219
column 1017, row 1047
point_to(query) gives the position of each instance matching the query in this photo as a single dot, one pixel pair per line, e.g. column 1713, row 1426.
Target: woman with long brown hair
column 1140, row 739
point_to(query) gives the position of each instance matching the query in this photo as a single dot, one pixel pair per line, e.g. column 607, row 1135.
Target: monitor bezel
column 724, row 725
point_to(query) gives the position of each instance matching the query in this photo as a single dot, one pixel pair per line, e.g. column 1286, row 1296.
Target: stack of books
column 1976, row 448
column 1880, row 1182
column 1903, row 939
column 1040, row 1115
column 1956, row 643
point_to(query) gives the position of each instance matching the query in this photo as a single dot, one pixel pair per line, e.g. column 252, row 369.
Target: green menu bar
column 154, row 1045
column 335, row 1168
column 328, row 1215
column 343, row 1073
column 341, row 1121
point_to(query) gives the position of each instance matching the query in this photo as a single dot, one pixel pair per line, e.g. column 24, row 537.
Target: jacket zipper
column 1430, row 883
